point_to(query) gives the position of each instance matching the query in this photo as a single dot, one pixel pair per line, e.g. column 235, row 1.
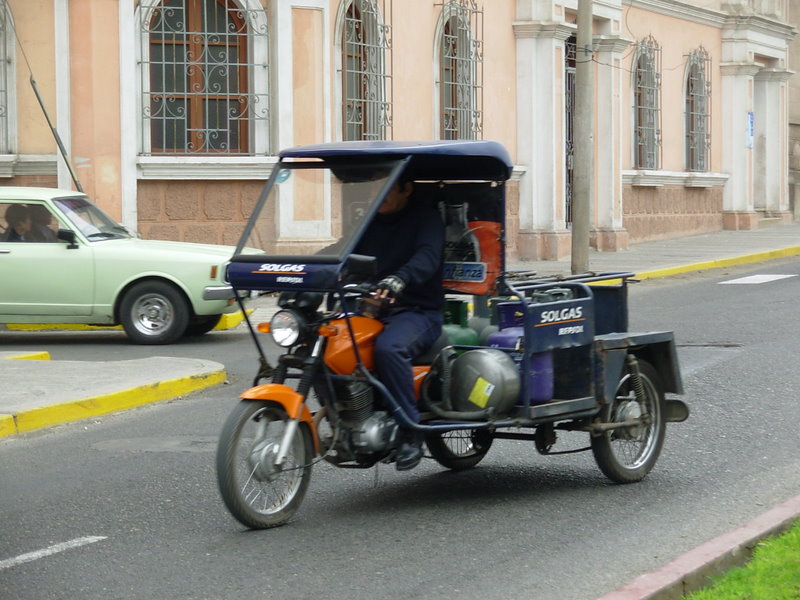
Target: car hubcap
column 152, row 314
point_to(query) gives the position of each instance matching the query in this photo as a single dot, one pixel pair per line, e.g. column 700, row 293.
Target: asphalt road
column 135, row 493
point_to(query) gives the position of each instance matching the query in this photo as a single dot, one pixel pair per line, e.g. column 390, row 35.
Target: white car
column 63, row 260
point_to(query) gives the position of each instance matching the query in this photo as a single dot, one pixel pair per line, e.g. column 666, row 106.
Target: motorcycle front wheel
column 627, row 454
column 460, row 449
column 257, row 492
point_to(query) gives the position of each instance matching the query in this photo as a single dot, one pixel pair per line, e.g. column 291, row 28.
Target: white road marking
column 55, row 549
column 756, row 279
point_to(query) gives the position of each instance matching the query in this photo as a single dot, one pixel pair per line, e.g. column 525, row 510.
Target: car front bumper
column 218, row 292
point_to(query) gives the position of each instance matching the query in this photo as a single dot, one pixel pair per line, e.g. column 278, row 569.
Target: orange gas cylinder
column 339, row 353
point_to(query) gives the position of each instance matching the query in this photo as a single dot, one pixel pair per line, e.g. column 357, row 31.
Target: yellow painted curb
column 720, row 263
column 7, row 425
column 228, row 321
column 67, row 412
column 231, row 320
column 59, row 326
column 43, row 355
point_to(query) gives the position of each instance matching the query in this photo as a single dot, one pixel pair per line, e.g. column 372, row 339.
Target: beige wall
column 500, row 75
column 94, row 74
column 34, row 23
column 677, row 38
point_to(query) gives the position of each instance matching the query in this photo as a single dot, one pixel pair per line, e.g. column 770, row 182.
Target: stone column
column 737, row 144
column 771, row 162
column 608, row 233
column 541, row 139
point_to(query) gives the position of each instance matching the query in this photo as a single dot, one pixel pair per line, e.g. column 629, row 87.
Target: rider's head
column 397, row 198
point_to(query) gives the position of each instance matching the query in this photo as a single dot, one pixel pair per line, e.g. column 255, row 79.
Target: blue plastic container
column 540, row 380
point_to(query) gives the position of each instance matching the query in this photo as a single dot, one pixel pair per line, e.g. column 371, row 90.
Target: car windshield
column 90, row 220
column 324, row 206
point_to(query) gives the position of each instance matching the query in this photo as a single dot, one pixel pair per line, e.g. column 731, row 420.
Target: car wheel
column 154, row 312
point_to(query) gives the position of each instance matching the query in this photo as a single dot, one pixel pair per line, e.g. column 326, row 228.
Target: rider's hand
column 389, row 288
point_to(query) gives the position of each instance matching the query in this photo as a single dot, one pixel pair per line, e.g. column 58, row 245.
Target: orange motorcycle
column 539, row 355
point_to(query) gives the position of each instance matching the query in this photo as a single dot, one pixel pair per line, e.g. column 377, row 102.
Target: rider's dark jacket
column 409, row 244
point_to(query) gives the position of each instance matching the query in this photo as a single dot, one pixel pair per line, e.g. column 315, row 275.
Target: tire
column 627, row 455
column 460, row 449
column 258, row 494
column 154, row 312
column 202, row 325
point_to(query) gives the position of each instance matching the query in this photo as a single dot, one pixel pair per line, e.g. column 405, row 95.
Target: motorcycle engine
column 376, row 434
column 367, row 431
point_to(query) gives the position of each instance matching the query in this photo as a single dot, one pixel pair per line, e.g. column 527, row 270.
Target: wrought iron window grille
column 698, row 110
column 366, row 71
column 202, row 91
column 570, row 67
column 647, row 104
column 461, row 71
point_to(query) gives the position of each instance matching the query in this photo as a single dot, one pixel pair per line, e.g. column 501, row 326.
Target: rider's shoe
column 410, row 451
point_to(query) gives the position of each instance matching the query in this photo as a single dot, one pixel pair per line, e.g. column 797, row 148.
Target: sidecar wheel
column 256, row 491
column 460, row 449
column 626, row 455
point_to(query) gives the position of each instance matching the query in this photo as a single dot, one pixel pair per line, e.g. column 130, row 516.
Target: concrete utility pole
column 583, row 168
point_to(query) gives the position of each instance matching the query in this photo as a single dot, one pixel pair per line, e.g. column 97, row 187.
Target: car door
column 48, row 277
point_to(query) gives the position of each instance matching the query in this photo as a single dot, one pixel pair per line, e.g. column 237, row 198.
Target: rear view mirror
column 67, row 235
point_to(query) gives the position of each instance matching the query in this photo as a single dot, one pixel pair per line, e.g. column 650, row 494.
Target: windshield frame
column 107, row 228
column 393, row 165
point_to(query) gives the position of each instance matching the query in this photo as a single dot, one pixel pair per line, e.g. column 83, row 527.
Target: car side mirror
column 67, row 235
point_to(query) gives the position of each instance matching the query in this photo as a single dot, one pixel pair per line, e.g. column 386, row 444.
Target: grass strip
column 773, row 573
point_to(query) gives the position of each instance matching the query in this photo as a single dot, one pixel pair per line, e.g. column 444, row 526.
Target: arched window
column 202, row 89
column 461, row 71
column 366, row 77
column 647, row 104
column 698, row 111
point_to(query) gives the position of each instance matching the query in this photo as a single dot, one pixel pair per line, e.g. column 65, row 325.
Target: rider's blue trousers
column 408, row 334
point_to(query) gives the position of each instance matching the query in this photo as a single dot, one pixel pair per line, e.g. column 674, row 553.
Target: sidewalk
column 39, row 393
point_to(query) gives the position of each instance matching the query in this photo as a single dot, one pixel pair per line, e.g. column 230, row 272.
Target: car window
column 27, row 222
column 90, row 220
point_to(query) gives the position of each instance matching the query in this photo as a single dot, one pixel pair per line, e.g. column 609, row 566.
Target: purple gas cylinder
column 540, row 381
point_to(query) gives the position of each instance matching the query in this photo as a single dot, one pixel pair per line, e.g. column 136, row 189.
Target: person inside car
column 41, row 219
column 19, row 223
column 407, row 239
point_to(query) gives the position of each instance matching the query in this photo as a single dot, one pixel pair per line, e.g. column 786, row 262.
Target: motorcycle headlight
column 285, row 328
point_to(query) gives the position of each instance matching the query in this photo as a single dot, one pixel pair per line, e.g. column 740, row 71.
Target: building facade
column 172, row 111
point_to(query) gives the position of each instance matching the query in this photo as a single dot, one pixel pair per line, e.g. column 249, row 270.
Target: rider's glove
column 393, row 285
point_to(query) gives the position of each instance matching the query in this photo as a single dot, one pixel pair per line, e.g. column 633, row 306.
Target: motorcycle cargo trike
column 521, row 357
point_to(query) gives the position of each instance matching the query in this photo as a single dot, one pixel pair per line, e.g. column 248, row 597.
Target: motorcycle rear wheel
column 258, row 493
column 628, row 454
column 460, row 449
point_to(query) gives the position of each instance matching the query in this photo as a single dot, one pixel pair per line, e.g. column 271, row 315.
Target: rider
column 407, row 239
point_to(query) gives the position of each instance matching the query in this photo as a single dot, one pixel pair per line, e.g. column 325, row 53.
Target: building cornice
column 776, row 75
column 542, row 29
column 682, row 10
column 644, row 178
column 12, row 165
column 759, row 24
column 205, row 167
column 733, row 69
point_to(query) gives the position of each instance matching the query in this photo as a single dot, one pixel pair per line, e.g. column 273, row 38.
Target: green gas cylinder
column 455, row 323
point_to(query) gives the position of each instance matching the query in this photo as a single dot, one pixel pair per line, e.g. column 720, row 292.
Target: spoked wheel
column 460, row 449
column 259, row 493
column 627, row 454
